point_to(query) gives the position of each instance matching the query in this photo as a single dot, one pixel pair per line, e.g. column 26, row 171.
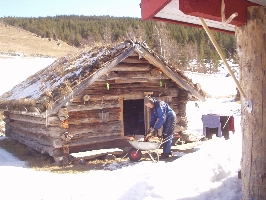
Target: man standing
column 162, row 115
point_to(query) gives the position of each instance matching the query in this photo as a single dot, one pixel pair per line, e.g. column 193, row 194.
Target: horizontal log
column 134, row 59
column 93, row 104
column 37, row 129
column 44, row 149
column 132, row 80
column 119, row 92
column 24, row 137
column 131, row 96
column 95, row 129
column 35, row 114
column 92, row 138
column 35, row 120
column 131, row 67
column 112, row 98
column 36, row 140
column 147, row 75
column 94, row 116
column 122, row 75
column 78, row 106
column 81, row 144
column 166, row 83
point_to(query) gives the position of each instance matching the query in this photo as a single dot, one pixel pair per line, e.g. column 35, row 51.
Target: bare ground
column 14, row 39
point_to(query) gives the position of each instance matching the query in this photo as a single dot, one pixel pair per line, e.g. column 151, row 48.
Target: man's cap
column 148, row 99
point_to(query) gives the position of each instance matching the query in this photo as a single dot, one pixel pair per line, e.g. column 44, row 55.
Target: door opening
column 134, row 117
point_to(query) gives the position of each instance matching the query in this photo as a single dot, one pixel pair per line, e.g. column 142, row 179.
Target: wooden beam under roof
column 172, row 75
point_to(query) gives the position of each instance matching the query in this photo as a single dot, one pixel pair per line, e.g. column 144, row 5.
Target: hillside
column 14, row 39
column 179, row 44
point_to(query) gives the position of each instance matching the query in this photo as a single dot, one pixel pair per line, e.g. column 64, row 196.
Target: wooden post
column 251, row 47
column 221, row 55
column 121, row 102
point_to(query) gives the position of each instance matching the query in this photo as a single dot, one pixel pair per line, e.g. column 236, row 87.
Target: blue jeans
column 168, row 131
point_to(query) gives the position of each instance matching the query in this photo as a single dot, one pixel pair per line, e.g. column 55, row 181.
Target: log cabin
column 94, row 96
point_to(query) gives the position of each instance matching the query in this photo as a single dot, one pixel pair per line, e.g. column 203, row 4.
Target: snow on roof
column 64, row 73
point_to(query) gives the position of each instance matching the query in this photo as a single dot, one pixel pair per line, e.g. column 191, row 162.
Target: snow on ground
column 209, row 173
column 15, row 69
column 217, row 85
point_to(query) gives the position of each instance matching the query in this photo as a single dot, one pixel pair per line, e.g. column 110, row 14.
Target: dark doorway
column 134, row 117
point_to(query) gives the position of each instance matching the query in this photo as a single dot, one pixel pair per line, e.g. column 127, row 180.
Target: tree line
column 178, row 43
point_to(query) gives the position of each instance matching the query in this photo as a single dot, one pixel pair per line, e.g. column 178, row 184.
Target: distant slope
column 13, row 39
column 179, row 44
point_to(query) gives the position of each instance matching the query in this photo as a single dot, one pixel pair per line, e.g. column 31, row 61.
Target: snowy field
column 209, row 173
column 15, row 69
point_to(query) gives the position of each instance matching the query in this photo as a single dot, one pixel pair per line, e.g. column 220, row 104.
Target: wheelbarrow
column 135, row 153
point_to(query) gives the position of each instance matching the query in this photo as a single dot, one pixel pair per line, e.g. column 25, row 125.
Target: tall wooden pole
column 215, row 44
column 251, row 48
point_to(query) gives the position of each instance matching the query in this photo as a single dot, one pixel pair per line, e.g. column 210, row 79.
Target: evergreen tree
column 178, row 43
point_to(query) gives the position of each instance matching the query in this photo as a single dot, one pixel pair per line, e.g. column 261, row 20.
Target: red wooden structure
column 186, row 12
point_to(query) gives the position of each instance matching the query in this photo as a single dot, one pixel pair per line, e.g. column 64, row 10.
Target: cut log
column 96, row 153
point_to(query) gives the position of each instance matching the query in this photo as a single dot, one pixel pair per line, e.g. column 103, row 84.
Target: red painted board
column 189, row 24
column 149, row 8
column 211, row 9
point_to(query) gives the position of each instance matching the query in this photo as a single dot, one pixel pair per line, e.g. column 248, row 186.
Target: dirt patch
column 41, row 162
